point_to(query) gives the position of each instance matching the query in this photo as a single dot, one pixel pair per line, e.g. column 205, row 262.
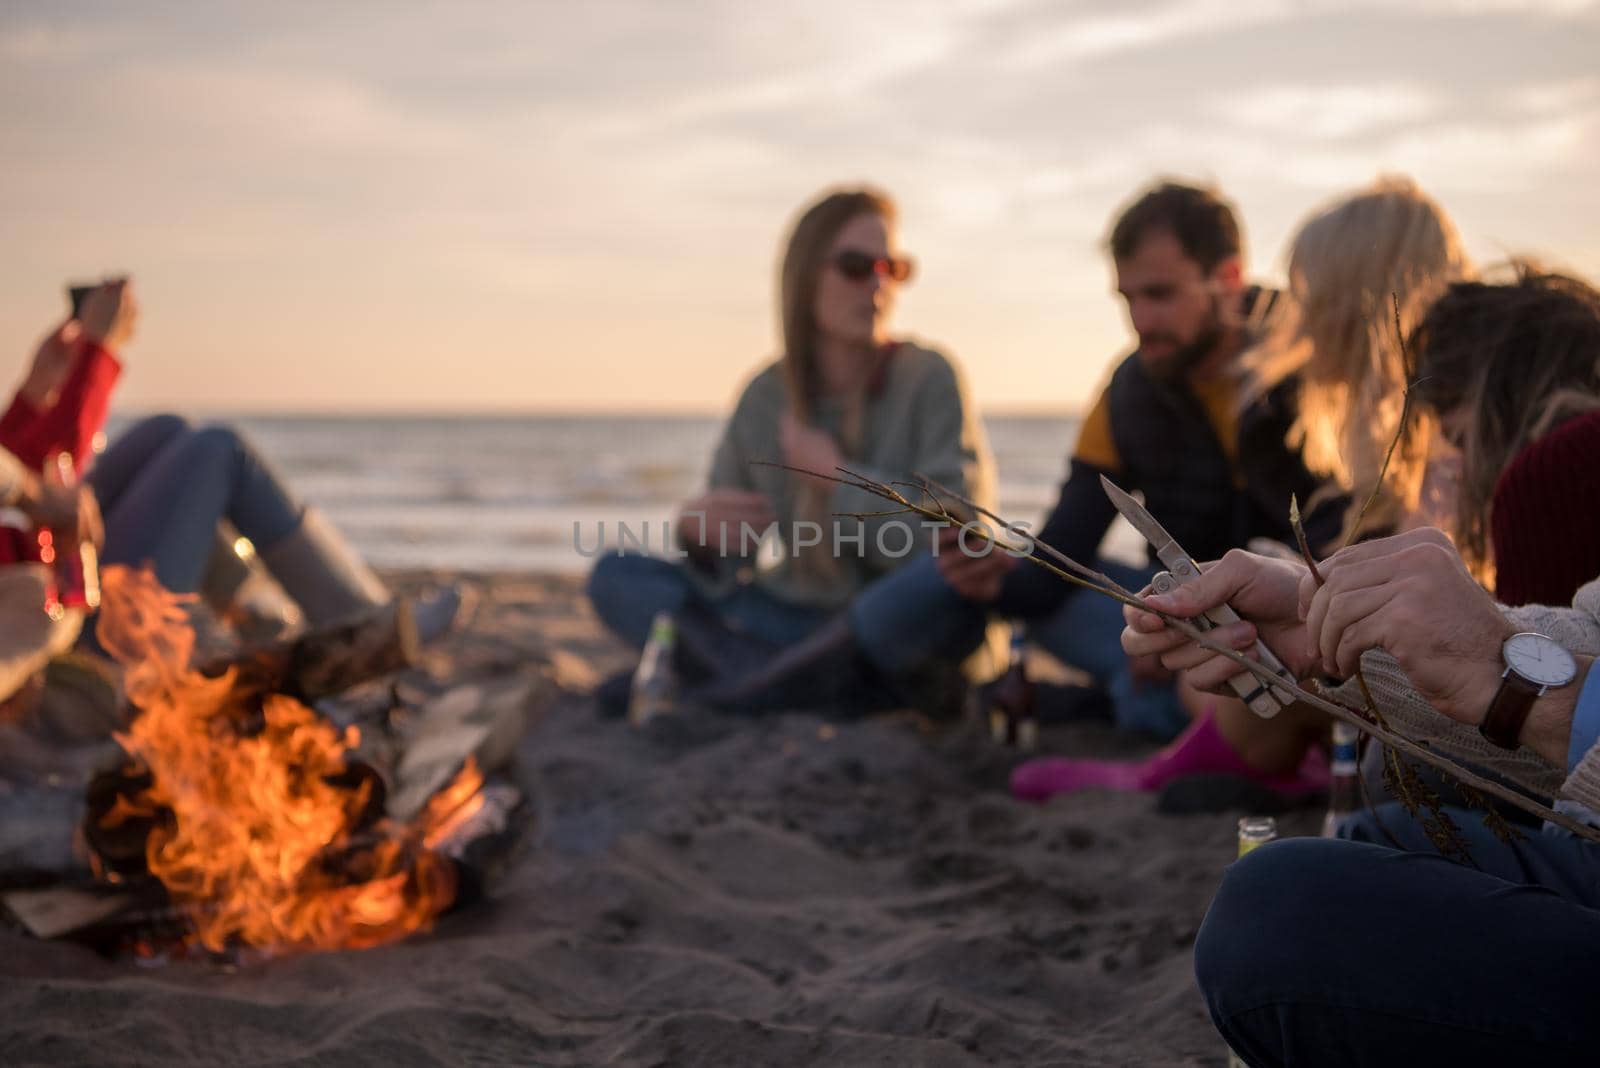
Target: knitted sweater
column 1577, row 628
column 1542, row 517
column 918, row 422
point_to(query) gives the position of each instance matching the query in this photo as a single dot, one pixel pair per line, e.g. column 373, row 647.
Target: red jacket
column 69, row 425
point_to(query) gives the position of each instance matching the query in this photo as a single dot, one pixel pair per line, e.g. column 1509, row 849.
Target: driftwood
column 38, row 824
column 330, row 659
column 57, row 911
column 484, row 721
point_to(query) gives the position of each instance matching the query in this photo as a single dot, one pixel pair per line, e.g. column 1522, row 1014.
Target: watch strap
column 1509, row 710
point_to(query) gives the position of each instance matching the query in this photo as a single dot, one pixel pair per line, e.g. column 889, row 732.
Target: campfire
column 241, row 818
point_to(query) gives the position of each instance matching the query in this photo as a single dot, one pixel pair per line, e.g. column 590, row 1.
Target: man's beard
column 1186, row 357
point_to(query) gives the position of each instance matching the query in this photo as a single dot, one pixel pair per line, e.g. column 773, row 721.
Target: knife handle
column 1257, row 696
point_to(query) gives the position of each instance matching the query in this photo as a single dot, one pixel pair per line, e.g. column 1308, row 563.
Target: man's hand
column 809, row 448
column 52, row 363
column 1412, row 595
column 110, row 313
column 1150, row 670
column 724, row 510
column 976, row 578
column 1263, row 590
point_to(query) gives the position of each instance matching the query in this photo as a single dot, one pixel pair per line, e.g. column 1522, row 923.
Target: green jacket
column 920, row 422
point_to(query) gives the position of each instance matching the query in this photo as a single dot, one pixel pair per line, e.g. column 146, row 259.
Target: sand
column 714, row 891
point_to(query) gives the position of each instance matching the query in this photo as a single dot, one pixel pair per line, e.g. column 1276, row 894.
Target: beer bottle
column 1344, row 792
column 1012, row 719
column 655, row 681
column 74, row 580
column 1254, row 832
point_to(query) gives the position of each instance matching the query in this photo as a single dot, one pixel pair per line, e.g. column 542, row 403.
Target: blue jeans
column 1350, row 953
column 1086, row 632
column 901, row 622
column 163, row 487
column 628, row 589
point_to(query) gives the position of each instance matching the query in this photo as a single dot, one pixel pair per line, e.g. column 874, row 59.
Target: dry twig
column 1071, row 571
column 1399, row 430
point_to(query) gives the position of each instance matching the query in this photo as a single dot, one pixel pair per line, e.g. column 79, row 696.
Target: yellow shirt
column 1218, row 396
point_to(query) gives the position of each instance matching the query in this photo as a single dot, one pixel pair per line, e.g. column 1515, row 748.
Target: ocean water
column 504, row 492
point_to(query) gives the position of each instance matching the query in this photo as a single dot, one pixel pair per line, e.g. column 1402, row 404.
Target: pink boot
column 1200, row 750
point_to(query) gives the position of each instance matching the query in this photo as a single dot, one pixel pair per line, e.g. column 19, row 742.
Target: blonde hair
column 1349, row 266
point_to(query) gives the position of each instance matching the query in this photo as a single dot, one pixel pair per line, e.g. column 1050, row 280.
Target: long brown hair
column 1349, row 264
column 804, row 259
column 1521, row 357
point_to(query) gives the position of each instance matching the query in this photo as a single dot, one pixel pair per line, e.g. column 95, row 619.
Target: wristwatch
column 1534, row 664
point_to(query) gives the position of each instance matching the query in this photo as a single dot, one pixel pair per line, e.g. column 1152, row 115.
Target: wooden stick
column 1088, row 578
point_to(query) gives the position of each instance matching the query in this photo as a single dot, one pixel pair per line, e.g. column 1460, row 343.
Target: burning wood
column 246, row 806
column 329, row 659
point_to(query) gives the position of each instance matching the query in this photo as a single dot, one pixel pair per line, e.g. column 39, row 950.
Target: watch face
column 1540, row 660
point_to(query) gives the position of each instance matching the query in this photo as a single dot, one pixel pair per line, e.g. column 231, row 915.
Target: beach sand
column 714, row 891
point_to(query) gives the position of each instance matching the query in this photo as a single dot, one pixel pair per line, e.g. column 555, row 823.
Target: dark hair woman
column 1513, row 373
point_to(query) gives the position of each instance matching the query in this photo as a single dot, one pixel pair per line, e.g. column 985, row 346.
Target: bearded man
column 1168, row 424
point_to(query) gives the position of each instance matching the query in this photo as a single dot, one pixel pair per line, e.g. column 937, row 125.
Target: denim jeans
column 163, row 487
column 1086, row 632
column 1351, row 953
column 628, row 589
column 901, row 622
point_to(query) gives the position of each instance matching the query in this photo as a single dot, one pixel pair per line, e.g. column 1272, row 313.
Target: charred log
column 327, row 660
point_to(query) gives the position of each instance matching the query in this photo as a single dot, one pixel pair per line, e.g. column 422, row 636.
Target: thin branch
column 1300, row 538
column 1399, row 430
column 1290, row 690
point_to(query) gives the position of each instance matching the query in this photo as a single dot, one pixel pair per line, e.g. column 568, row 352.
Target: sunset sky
column 511, row 206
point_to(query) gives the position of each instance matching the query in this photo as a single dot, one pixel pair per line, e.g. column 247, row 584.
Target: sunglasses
column 858, row 266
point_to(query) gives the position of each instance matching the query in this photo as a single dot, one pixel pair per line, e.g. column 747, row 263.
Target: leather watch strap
column 1509, row 711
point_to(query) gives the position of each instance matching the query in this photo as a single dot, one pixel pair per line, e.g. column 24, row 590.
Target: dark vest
column 1169, row 450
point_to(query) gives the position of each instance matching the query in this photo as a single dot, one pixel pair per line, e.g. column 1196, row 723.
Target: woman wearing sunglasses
column 794, row 623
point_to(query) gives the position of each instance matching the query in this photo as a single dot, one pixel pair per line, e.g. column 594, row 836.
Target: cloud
column 39, row 43
column 561, row 171
column 1082, row 37
column 1554, row 97
column 1327, row 112
column 1555, row 9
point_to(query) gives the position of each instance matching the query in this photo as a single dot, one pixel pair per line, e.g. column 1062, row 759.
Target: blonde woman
column 844, row 393
column 1350, row 266
column 1384, row 252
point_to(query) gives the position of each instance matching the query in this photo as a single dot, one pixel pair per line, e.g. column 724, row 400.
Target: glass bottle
column 1344, row 791
column 1254, row 832
column 74, row 569
column 655, row 682
column 1012, row 716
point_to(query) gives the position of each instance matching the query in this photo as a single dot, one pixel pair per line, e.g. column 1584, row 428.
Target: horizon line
column 226, row 411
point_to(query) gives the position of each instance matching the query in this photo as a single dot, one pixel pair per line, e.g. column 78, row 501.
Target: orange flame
column 260, row 847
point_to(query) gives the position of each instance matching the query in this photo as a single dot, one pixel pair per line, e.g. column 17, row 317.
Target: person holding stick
column 1175, row 422
column 1375, row 948
column 1363, row 271
column 1510, row 374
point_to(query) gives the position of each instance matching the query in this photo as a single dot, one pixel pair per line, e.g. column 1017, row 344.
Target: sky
column 553, row 206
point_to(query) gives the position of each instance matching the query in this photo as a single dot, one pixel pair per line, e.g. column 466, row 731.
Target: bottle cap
column 1256, row 831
